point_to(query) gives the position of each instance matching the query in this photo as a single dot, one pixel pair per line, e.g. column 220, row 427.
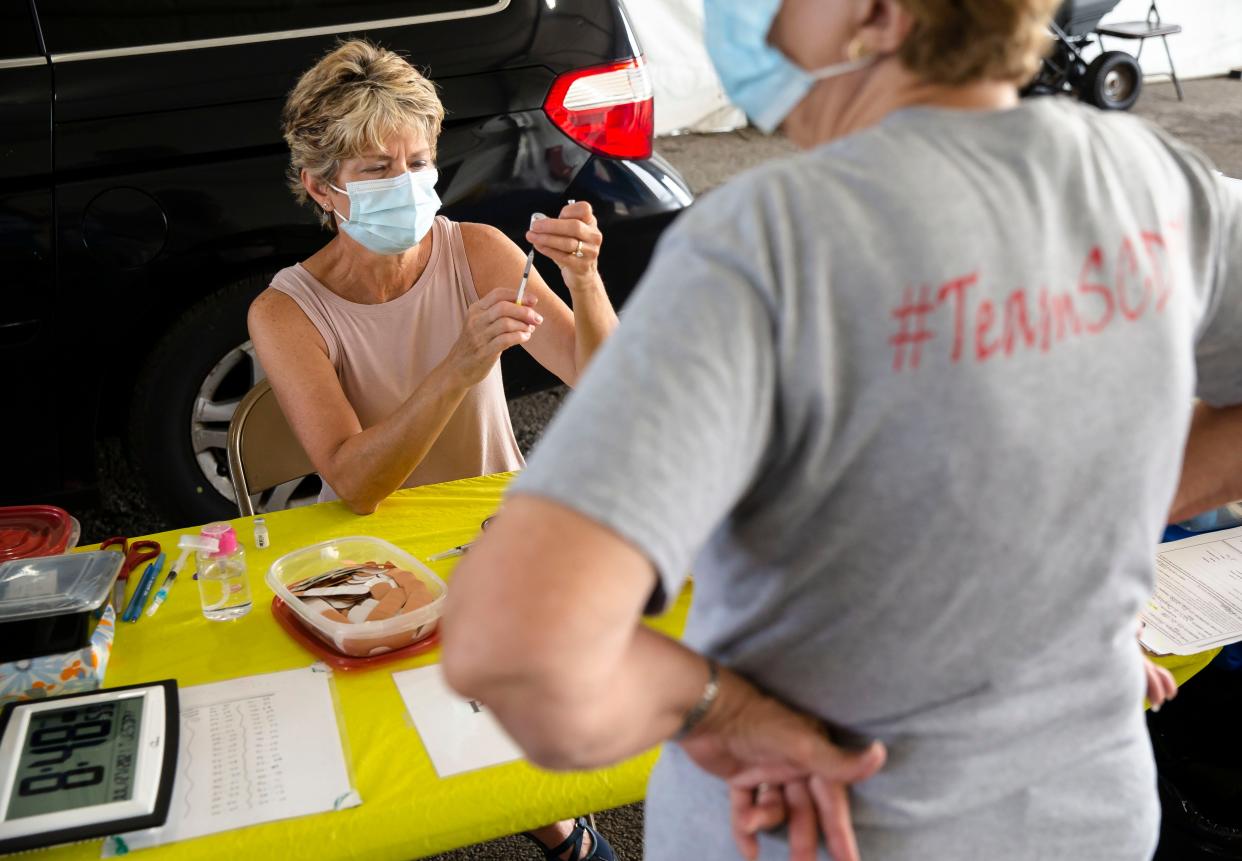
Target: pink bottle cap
column 223, row 533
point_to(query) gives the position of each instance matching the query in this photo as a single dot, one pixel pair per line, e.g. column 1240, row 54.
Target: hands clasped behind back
column 493, row 324
column 782, row 769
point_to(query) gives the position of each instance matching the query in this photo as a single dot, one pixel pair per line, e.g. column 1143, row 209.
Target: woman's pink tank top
column 382, row 353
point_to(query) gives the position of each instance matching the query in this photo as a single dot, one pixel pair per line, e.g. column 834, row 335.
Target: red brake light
column 610, row 109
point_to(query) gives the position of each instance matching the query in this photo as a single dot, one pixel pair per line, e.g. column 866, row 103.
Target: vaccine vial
column 223, row 587
column 261, row 540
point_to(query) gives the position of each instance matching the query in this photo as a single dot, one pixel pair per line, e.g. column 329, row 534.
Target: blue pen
column 128, row 612
column 136, row 603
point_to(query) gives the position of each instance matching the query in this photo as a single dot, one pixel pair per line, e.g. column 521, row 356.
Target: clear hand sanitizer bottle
column 223, row 587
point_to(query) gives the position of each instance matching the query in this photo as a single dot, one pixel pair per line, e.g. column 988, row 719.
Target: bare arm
column 567, row 339
column 365, row 466
column 542, row 624
column 1212, row 468
column 582, row 693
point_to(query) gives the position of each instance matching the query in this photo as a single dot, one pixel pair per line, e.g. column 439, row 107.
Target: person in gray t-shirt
column 911, row 406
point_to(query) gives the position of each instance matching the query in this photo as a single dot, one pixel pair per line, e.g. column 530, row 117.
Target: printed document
column 460, row 735
column 254, row 749
column 1197, row 604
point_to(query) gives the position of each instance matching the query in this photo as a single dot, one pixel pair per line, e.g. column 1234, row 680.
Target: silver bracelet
column 710, row 692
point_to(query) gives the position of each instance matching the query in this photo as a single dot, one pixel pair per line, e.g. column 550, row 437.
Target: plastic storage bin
column 36, row 530
column 48, row 603
column 361, row 639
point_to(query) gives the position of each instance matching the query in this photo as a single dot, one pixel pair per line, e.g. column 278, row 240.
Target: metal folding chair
column 1151, row 28
column 263, row 451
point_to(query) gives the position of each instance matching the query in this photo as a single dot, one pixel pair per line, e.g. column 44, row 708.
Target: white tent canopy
column 689, row 96
column 688, row 92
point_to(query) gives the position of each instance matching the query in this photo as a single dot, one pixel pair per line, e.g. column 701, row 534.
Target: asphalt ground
column 1210, row 118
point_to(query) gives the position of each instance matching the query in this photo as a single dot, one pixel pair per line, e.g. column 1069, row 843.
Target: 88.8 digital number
column 55, row 740
column 77, row 778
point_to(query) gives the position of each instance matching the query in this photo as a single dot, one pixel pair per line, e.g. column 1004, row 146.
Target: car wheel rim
column 218, row 397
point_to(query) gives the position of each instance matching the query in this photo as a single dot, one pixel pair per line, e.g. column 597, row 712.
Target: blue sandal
column 601, row 850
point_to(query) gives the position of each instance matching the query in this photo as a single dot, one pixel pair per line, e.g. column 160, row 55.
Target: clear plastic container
column 361, row 639
column 223, row 587
column 47, row 604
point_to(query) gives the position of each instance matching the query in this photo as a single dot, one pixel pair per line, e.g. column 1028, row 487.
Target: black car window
column 91, row 25
column 17, row 32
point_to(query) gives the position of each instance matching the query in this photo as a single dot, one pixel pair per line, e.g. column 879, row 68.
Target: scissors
column 135, row 554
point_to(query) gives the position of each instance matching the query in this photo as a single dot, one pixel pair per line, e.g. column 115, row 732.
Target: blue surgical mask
column 391, row 216
column 757, row 77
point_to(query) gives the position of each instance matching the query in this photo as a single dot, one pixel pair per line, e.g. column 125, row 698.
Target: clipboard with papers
column 1197, row 602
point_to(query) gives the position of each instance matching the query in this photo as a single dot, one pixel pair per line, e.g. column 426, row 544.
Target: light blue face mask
column 391, row 216
column 757, row 77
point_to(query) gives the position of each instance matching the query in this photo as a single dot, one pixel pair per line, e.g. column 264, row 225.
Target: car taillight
column 610, row 109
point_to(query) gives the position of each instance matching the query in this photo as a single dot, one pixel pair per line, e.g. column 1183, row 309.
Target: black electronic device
column 87, row 765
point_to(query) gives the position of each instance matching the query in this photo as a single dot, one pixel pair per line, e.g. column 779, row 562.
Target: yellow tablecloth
column 1183, row 667
column 407, row 811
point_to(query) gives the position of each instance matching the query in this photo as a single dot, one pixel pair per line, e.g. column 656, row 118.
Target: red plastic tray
column 35, row 530
column 293, row 627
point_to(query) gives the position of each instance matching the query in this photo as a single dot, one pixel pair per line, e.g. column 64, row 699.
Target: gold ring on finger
column 578, row 253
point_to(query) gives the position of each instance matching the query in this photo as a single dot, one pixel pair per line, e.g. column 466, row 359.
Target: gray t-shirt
column 912, row 407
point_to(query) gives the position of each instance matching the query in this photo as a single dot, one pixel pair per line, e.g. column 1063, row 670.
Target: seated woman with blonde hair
column 383, row 347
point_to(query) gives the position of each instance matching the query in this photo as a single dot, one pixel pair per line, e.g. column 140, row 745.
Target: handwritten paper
column 1197, row 604
column 460, row 735
column 255, row 749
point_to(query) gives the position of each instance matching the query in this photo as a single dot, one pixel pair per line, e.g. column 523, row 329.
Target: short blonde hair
column 350, row 102
column 957, row 41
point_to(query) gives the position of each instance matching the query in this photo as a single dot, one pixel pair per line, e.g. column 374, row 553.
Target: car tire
column 1113, row 82
column 167, row 426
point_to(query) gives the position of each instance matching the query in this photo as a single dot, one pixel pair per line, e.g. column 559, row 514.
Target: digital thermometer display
column 79, row 756
column 86, row 765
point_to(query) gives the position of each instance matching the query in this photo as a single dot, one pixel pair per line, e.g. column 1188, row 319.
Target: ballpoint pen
column 139, row 599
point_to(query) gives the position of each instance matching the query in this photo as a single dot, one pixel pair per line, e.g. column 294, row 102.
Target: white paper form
column 1197, row 604
column 254, row 749
column 460, row 735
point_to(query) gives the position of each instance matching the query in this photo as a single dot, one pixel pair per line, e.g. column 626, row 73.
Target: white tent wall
column 688, row 92
column 1210, row 42
column 689, row 96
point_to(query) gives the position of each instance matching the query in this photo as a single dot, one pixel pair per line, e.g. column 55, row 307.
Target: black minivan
column 143, row 205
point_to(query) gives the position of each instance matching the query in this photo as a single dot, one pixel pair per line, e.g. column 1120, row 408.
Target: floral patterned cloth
column 52, row 675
